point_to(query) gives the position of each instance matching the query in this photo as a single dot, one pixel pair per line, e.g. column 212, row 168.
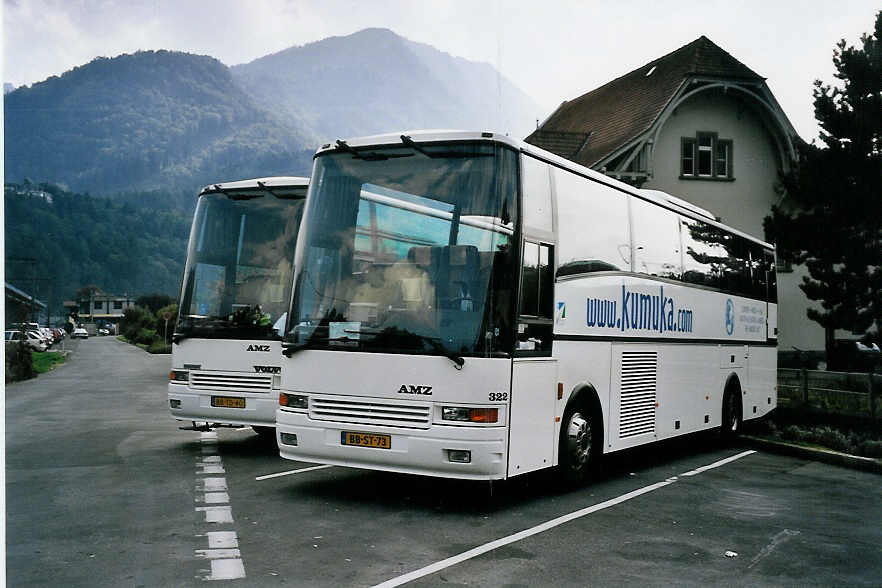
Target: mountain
column 376, row 81
column 165, row 120
column 154, row 119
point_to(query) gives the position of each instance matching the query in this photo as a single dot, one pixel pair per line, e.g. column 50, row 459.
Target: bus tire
column 732, row 417
column 580, row 439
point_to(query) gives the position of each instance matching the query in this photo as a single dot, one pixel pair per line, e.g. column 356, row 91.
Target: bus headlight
column 465, row 414
column 300, row 401
column 179, row 376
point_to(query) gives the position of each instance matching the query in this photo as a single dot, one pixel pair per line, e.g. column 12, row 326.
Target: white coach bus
column 470, row 306
column 237, row 285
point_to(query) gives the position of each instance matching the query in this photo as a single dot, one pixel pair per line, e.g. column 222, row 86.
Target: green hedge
column 19, row 363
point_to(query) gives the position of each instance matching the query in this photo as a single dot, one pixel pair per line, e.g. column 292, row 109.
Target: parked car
column 12, row 337
column 36, row 342
column 79, row 333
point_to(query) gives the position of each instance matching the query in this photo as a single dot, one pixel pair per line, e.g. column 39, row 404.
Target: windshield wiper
column 433, row 342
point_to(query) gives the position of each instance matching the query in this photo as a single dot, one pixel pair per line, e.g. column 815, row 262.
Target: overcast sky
column 554, row 50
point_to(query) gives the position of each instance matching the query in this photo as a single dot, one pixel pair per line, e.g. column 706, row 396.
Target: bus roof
column 256, row 184
column 440, row 135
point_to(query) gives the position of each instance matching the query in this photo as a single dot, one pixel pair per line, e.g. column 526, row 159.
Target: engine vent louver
column 638, row 390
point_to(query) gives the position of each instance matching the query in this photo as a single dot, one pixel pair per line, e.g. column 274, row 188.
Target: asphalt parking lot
column 103, row 489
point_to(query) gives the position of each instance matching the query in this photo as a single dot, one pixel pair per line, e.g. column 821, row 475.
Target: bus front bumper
column 413, row 451
column 189, row 405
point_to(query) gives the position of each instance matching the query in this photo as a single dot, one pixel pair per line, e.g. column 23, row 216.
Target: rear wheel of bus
column 731, row 422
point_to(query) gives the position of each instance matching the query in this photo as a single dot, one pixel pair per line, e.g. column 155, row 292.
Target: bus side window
column 537, row 196
column 537, row 300
column 606, row 246
column 656, row 240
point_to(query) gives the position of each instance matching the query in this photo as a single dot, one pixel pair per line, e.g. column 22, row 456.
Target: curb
column 856, row 462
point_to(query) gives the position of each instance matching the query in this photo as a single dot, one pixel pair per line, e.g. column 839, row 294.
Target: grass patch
column 46, row 360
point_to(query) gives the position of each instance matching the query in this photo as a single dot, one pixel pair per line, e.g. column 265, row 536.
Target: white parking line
column 288, row 473
column 226, row 569
column 482, row 549
column 717, row 464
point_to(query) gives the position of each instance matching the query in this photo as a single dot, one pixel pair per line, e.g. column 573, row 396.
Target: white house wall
column 742, row 203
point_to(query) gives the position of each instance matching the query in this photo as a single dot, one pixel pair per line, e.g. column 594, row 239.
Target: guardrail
column 842, row 393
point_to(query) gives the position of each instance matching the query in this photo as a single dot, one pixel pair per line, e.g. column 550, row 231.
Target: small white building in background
column 700, row 125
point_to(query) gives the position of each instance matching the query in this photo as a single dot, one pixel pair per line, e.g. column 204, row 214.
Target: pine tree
column 832, row 219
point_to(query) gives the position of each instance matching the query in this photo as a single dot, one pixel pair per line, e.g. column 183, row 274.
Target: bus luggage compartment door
column 531, row 424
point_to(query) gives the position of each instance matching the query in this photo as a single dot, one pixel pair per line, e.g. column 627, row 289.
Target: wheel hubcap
column 578, row 440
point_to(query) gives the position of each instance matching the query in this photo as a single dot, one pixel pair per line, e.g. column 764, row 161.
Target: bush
column 159, row 346
column 145, row 336
column 19, row 363
column 870, row 448
column 135, row 319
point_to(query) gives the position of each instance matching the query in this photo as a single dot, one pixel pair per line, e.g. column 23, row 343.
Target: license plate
column 227, row 402
column 366, row 440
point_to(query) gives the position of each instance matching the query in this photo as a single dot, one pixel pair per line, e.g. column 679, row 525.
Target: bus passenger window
column 596, row 238
column 656, row 240
column 537, row 195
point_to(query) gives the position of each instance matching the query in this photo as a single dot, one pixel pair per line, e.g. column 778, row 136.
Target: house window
column 117, row 305
column 706, row 156
column 99, row 304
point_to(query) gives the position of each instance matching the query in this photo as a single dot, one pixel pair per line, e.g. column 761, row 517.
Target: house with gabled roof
column 698, row 124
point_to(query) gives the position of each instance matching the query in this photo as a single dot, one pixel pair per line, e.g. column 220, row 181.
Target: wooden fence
column 842, row 393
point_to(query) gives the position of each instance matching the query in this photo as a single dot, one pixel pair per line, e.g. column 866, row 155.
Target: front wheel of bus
column 577, row 445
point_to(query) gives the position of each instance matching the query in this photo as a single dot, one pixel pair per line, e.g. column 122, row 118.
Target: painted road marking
column 290, row 472
column 216, row 514
column 222, row 553
column 226, row 569
column 218, row 553
column 717, row 464
column 211, row 468
column 482, row 549
column 222, row 539
column 213, row 484
column 216, row 498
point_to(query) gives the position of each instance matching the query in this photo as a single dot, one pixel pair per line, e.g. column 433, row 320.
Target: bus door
column 534, row 372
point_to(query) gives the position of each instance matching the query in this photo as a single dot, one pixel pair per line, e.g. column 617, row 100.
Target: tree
column 832, row 219
column 154, row 301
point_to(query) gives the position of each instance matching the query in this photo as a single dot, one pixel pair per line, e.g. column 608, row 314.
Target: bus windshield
column 409, row 250
column 237, row 280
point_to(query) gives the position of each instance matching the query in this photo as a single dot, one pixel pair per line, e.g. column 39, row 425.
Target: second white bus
column 470, row 306
column 237, row 282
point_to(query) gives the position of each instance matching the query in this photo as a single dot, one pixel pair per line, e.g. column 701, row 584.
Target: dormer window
column 705, row 157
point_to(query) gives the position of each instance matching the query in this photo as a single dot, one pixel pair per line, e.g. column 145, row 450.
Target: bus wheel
column 731, row 426
column 576, row 445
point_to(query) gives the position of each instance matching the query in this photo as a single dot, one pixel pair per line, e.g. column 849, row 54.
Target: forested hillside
column 155, row 119
column 145, row 131
column 78, row 240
